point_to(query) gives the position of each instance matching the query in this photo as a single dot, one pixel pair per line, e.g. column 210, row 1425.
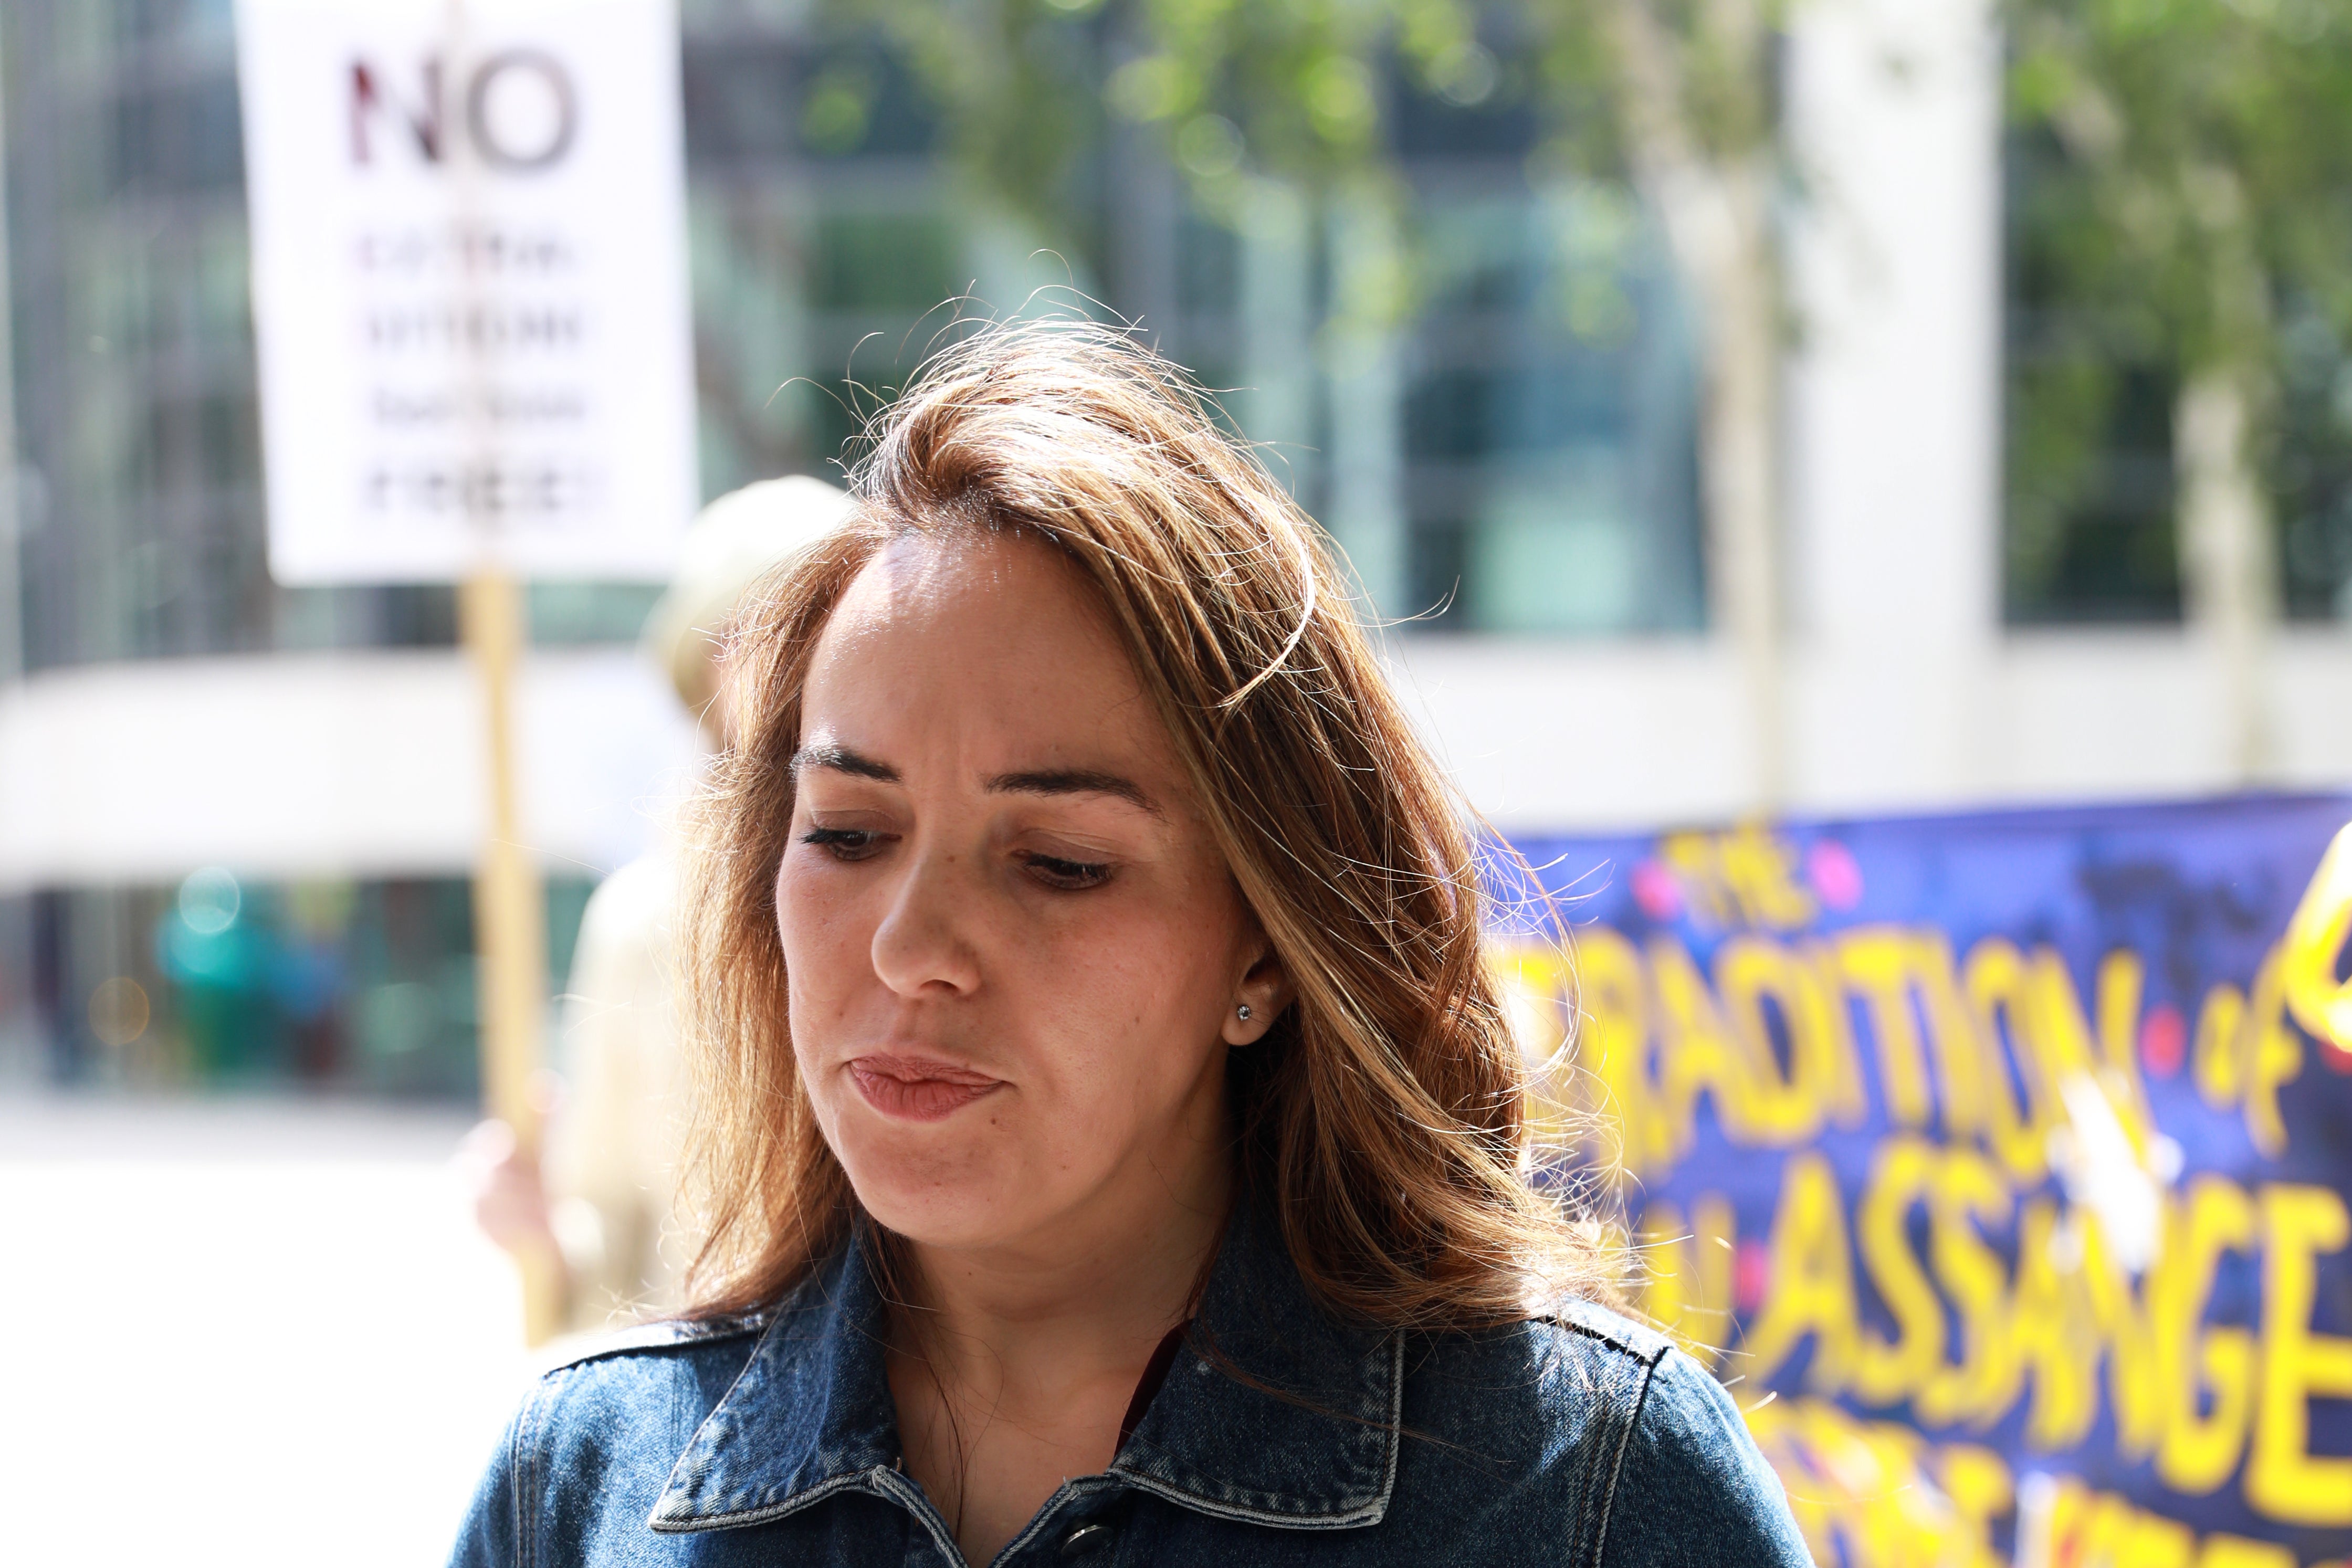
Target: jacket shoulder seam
column 529, row 1447
column 1648, row 1355
column 1617, row 1460
column 662, row 1339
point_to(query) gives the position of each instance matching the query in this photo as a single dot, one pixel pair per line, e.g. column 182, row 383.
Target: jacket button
column 1084, row 1539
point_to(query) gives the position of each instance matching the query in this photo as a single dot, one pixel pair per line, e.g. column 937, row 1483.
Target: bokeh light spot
column 1656, row 891
column 1835, row 874
column 1751, row 1276
column 2163, row 1041
column 209, row 901
column 119, row 1010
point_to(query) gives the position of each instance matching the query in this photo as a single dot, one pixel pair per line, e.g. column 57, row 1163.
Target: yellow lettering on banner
column 1695, row 1052
column 1878, row 962
column 2063, row 1049
column 1871, row 1492
column 1745, row 877
column 2074, row 1524
column 2017, row 1118
column 2200, row 1447
column 2122, row 983
column 2245, row 1051
column 2107, row 1532
column 1960, row 1057
column 2087, row 1529
column 2283, row 1479
column 1783, row 1108
column 2055, row 1031
column 2049, row 1337
column 1532, row 976
column 1811, row 1290
column 1715, row 1241
column 2153, row 1540
column 1968, row 1188
column 2237, row 1551
column 2220, row 1074
column 1777, row 1426
column 1698, row 869
column 2316, row 935
column 1666, row 1282
column 1612, row 1013
column 1849, row 1100
column 2271, row 1055
column 1978, row 1481
column 1686, row 1285
column 1902, row 1175
column 1760, row 868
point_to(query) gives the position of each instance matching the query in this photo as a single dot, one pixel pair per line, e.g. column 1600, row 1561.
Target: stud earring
column 1243, row 1012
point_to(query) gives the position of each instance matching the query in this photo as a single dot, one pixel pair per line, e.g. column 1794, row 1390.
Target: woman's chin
column 935, row 1195
column 948, row 1221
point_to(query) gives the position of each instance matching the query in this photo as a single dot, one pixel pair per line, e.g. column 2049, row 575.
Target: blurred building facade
column 1513, row 476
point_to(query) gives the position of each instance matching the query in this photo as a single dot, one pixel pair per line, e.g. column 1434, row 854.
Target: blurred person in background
column 1115, row 1141
column 601, row 1201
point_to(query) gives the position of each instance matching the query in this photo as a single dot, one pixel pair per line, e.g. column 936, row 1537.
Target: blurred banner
column 470, row 287
column 1998, row 1162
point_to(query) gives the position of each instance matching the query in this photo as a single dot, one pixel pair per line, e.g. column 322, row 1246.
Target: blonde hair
column 1384, row 1114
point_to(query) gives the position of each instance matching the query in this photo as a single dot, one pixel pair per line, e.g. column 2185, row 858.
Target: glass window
column 1549, row 436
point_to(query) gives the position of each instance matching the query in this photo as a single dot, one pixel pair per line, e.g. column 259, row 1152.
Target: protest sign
column 1998, row 1163
column 470, row 287
column 469, row 296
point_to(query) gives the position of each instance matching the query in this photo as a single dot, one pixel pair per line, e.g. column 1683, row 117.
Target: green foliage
column 1699, row 70
column 1294, row 90
column 1300, row 92
column 1299, row 81
column 1014, row 82
column 2182, row 187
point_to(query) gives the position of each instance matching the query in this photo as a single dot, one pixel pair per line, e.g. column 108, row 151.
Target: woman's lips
column 916, row 1089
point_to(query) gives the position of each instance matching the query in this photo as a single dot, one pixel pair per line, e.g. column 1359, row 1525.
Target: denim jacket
column 1580, row 1438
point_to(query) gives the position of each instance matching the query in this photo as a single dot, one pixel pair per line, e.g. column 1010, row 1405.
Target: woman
column 1113, row 1143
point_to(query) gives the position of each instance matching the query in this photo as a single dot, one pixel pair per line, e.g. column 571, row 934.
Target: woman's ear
column 1258, row 1000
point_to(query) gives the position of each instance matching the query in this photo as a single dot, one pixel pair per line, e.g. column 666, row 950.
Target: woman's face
column 1014, row 952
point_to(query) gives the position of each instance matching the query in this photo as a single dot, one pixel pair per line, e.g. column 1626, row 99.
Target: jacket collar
column 1273, row 1413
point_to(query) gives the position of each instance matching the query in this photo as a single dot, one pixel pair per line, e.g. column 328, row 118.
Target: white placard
column 469, row 286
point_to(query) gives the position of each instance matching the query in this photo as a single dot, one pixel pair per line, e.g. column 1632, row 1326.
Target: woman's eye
column 843, row 843
column 1070, row 876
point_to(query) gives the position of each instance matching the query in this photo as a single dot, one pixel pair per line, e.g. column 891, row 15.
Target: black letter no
column 550, row 69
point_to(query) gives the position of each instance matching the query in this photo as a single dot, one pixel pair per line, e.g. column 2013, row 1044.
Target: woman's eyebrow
column 841, row 759
column 1075, row 782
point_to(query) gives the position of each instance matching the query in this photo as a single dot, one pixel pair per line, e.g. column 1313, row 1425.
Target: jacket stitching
column 855, row 1480
column 518, row 1479
column 1617, row 1463
column 530, row 1440
column 654, row 1519
column 1396, row 1423
column 1617, row 1342
column 1365, row 1513
column 1369, row 1512
column 890, row 1483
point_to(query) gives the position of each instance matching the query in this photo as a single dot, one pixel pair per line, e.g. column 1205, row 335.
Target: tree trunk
column 1739, row 454
column 1716, row 211
column 2228, row 568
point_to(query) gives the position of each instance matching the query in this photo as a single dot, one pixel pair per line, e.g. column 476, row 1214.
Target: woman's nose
column 921, row 947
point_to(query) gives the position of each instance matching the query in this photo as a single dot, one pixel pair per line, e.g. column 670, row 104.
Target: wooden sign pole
column 509, row 919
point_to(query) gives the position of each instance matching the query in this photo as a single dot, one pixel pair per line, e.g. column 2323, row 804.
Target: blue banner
column 1998, row 1162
